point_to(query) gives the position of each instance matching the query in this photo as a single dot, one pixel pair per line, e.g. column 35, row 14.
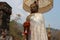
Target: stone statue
column 37, row 25
column 36, row 8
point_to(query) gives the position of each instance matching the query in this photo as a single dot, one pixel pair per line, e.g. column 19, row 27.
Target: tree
column 18, row 17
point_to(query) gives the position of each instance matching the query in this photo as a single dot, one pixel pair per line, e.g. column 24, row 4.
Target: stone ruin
column 5, row 12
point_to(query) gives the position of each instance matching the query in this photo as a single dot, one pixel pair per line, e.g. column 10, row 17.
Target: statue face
column 34, row 8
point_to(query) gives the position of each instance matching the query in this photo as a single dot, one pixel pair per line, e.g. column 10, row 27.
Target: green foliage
column 14, row 31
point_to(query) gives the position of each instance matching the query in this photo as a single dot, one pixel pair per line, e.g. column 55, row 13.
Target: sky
column 52, row 17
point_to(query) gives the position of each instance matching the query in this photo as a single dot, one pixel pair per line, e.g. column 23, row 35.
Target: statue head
column 34, row 1
column 34, row 7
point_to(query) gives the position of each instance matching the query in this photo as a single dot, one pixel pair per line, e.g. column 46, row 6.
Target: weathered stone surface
column 5, row 12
